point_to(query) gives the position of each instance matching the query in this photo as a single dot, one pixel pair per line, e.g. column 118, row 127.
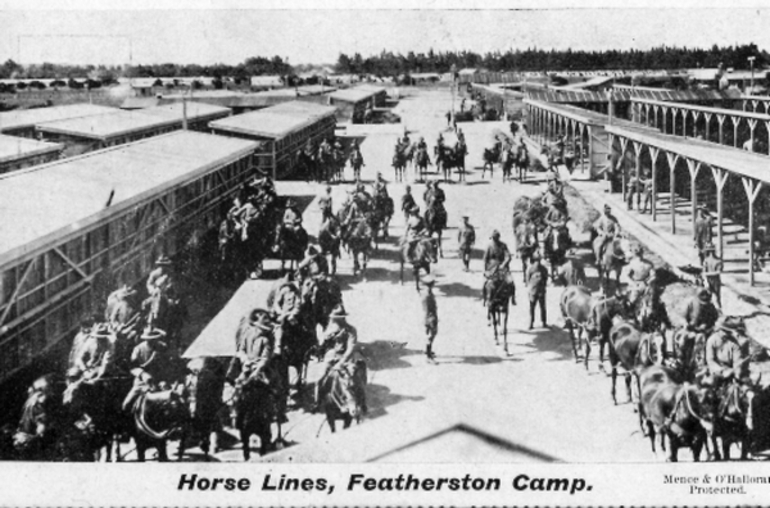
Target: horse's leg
column 493, row 312
column 245, row 444
column 588, row 351
column 505, row 328
column 401, row 272
column 440, row 248
column 162, row 453
column 330, row 421
column 347, row 420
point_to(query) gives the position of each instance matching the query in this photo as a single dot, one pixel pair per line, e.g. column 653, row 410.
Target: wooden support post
column 672, row 160
column 736, row 121
column 694, row 168
column 767, row 131
column 622, row 166
column 638, row 167
column 654, row 171
column 16, row 291
column 590, row 140
column 720, row 177
column 655, row 116
column 706, row 130
column 685, row 114
column 752, row 188
column 752, row 126
column 721, row 120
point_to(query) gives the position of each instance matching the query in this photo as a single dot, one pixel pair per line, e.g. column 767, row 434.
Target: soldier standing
column 407, row 201
column 431, row 315
column 325, row 202
column 536, row 279
column 466, row 238
column 712, row 269
column 703, row 235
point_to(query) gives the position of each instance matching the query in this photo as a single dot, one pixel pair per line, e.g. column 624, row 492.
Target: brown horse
column 734, row 419
column 205, row 385
column 611, row 257
column 634, row 351
column 342, row 394
column 255, row 410
column 423, row 255
column 159, row 416
column 681, row 412
column 502, row 294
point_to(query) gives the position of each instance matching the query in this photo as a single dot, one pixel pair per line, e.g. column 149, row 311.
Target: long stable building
column 352, row 103
column 104, row 221
column 18, row 153
column 22, row 122
column 89, row 133
column 732, row 127
column 282, row 131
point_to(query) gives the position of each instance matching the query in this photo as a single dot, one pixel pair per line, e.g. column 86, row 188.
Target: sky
column 229, row 31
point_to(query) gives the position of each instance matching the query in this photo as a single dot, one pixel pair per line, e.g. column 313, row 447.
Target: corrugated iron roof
column 28, row 118
column 705, row 109
column 262, row 123
column 562, row 95
column 45, row 202
column 13, row 148
column 357, row 94
column 195, row 111
column 303, row 109
column 105, row 127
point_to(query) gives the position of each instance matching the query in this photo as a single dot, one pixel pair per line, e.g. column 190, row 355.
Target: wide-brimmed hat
column 732, row 324
column 101, row 331
column 495, row 234
column 535, row 256
column 607, row 208
column 163, row 260
column 152, row 334
column 338, row 312
column 312, row 250
column 704, row 295
column 465, row 216
column 260, row 318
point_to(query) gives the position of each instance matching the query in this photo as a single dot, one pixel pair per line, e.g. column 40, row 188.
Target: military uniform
column 159, row 282
column 712, row 268
column 640, row 274
column 646, row 194
column 286, row 309
column 407, row 202
column 703, row 235
column 95, row 358
column 727, row 355
column 536, row 279
column 325, row 204
column 151, row 366
column 572, row 272
column 313, row 265
column 466, row 238
column 430, row 312
column 496, row 255
column 701, row 315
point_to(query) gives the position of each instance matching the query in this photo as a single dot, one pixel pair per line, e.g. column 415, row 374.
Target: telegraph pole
column 751, row 61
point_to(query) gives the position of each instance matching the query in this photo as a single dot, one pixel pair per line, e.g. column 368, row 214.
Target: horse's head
column 736, row 404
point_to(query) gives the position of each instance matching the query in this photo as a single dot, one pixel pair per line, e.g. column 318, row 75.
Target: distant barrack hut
column 18, row 153
column 352, row 103
column 85, row 134
column 282, row 131
column 22, row 122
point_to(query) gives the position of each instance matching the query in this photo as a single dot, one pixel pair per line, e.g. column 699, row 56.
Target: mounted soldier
column 151, row 366
column 329, row 238
column 86, row 326
column 163, row 295
column 727, row 351
column 641, row 275
column 285, row 309
column 606, row 228
column 95, row 359
column 572, row 272
column 712, row 269
column 701, row 315
column 497, row 260
column 339, row 345
column 380, row 187
column 422, row 145
column 356, row 160
column 407, row 201
column 416, row 229
column 314, row 265
column 325, row 202
column 253, row 360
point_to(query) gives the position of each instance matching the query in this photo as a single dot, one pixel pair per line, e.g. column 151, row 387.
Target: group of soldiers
column 325, row 160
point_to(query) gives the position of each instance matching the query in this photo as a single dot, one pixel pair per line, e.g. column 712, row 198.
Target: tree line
column 388, row 63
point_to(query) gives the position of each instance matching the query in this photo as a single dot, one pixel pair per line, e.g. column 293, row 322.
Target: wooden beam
column 622, row 165
column 654, row 159
column 638, row 167
column 720, row 178
column 694, row 168
column 672, row 160
column 17, row 290
column 752, row 188
column 72, row 264
column 721, row 120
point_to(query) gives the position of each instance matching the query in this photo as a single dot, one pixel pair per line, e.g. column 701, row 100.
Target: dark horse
column 491, row 157
column 399, row 162
column 290, row 244
column 422, row 161
column 610, row 256
column 321, row 295
column 254, row 412
column 423, row 255
column 205, row 384
column 159, row 416
column 342, row 394
column 557, row 243
column 358, row 240
column 734, row 419
column 634, row 351
column 168, row 313
column 502, row 294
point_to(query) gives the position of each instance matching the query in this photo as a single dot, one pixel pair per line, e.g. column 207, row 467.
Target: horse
column 502, row 294
column 526, row 244
column 422, row 161
column 356, row 162
column 291, row 244
column 576, row 304
column 446, row 159
column 528, row 209
column 604, row 312
column 734, row 421
column 649, row 312
column 254, row 412
column 205, row 384
column 382, row 213
column 399, row 163
column 342, row 394
column 358, row 240
column 329, row 240
column 508, row 160
column 557, row 243
column 100, row 404
column 41, row 424
column 424, row 253
column 682, row 412
column 491, row 157
column 460, row 151
column 159, row 416
column 689, row 353
column 634, row 350
column 436, row 222
column 611, row 257
column 522, row 161
column 321, row 295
